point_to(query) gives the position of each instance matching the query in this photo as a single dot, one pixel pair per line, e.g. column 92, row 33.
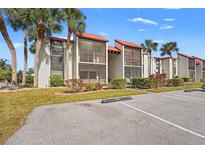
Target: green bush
column 92, row 86
column 185, row 79
column 4, row 74
column 118, row 83
column 202, row 80
column 144, row 83
column 56, row 80
column 175, row 82
column 29, row 79
column 25, row 85
column 203, row 86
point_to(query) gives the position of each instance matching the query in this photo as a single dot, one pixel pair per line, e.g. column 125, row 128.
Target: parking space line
column 163, row 120
column 179, row 98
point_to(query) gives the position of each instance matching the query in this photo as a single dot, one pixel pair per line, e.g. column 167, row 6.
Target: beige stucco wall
column 116, row 63
column 166, row 67
column 115, row 66
column 198, row 72
column 183, row 66
column 44, row 67
column 145, row 66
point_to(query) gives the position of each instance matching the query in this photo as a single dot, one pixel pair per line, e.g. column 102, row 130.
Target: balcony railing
column 92, row 58
column 132, row 62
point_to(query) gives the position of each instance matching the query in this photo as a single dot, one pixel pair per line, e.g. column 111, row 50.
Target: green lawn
column 187, row 85
column 15, row 106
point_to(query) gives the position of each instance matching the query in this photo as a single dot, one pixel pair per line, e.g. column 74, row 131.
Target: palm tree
column 75, row 21
column 10, row 45
column 168, row 49
column 148, row 46
column 46, row 21
column 21, row 19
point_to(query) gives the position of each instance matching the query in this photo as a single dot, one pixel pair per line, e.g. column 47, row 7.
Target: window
column 88, row 75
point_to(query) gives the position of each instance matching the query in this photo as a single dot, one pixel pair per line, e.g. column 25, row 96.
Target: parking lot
column 165, row 118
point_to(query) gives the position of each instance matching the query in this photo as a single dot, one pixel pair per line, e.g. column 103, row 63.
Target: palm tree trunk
column 25, row 58
column 40, row 37
column 11, row 48
column 67, row 56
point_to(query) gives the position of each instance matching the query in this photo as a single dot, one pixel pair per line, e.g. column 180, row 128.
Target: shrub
column 185, row 79
column 25, row 85
column 176, row 82
column 4, row 74
column 158, row 79
column 143, row 83
column 75, row 84
column 29, row 79
column 202, row 80
column 56, row 80
column 203, row 86
column 92, row 86
column 118, row 83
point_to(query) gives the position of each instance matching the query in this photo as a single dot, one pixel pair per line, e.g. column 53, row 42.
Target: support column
column 106, row 61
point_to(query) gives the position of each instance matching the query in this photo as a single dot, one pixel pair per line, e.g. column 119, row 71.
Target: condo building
column 91, row 59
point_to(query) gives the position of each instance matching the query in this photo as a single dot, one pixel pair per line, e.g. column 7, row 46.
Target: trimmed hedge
column 56, row 80
column 185, row 79
column 203, row 86
column 118, row 83
column 144, row 83
column 175, row 82
column 202, row 80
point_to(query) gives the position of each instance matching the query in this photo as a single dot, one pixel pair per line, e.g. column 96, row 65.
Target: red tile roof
column 128, row 44
column 91, row 36
column 57, row 39
column 113, row 49
column 185, row 55
column 198, row 58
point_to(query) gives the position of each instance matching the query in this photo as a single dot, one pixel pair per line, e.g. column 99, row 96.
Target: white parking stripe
column 179, row 98
column 165, row 121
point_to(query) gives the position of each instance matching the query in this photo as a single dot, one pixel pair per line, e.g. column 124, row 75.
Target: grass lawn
column 15, row 106
column 186, row 86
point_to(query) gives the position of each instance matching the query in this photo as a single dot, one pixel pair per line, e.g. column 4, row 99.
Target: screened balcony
column 57, row 58
column 132, row 57
column 92, row 73
column 132, row 72
column 191, row 64
column 92, row 51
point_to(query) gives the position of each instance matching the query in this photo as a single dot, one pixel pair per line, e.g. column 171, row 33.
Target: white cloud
column 144, row 21
column 172, row 8
column 159, row 41
column 169, row 19
column 166, row 27
column 142, row 30
column 18, row 45
column 103, row 33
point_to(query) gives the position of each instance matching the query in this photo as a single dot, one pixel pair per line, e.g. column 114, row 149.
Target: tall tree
column 46, row 21
column 21, row 19
column 168, row 49
column 75, row 21
column 148, row 47
column 11, row 47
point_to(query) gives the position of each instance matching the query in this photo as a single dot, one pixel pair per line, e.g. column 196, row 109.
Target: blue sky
column 185, row 26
